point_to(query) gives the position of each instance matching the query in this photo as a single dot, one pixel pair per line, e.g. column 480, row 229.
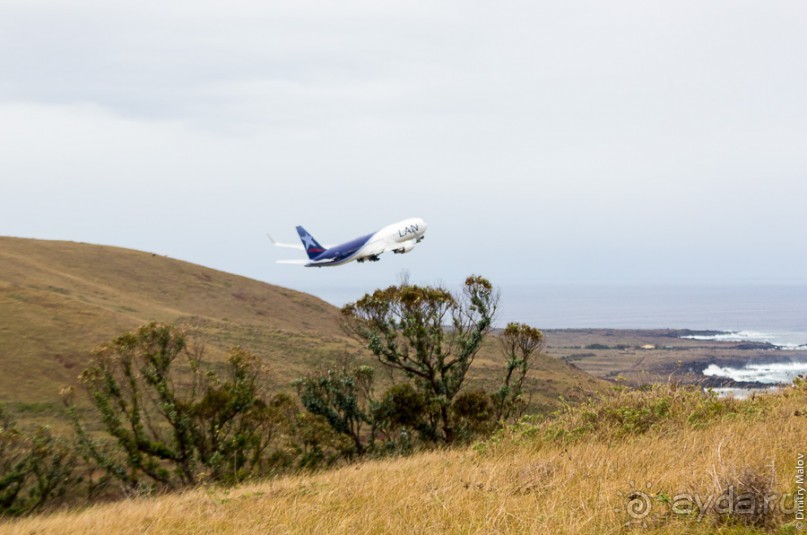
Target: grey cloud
column 565, row 141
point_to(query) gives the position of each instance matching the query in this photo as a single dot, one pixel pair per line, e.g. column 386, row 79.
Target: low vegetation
column 695, row 464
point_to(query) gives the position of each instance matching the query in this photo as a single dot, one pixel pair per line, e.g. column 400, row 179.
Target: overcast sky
column 543, row 142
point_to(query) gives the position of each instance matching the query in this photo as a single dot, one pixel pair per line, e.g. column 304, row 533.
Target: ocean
column 775, row 314
column 761, row 313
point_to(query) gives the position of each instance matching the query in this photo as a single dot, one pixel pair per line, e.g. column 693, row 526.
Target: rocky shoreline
column 645, row 356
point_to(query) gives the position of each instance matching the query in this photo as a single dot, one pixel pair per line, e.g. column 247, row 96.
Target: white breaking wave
column 769, row 373
column 753, row 336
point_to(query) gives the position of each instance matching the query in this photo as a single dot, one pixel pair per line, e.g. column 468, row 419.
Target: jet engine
column 405, row 248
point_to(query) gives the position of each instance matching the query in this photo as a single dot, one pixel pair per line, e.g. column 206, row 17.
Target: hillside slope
column 60, row 300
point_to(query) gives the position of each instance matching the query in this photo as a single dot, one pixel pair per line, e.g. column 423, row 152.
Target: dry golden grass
column 521, row 482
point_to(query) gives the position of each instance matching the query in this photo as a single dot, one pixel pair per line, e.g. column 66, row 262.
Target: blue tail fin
column 312, row 247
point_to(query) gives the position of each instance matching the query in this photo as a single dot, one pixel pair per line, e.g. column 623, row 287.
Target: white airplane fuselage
column 398, row 238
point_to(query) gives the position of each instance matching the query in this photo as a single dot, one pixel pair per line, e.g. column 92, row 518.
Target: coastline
column 710, row 358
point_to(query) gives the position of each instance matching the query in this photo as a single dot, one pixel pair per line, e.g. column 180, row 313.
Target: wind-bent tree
column 175, row 421
column 519, row 343
column 429, row 334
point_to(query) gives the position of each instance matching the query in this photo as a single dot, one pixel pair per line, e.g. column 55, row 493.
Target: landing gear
column 371, row 258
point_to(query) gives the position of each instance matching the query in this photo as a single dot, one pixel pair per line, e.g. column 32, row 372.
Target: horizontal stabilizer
column 297, row 246
column 298, row 262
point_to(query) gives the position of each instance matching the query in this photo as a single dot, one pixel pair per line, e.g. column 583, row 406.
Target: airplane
column 398, row 238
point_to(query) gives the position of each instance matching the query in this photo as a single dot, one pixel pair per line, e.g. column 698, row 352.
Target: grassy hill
column 667, row 460
column 60, row 300
column 594, row 467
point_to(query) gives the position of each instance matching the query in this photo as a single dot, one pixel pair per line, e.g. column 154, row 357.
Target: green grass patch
column 628, row 412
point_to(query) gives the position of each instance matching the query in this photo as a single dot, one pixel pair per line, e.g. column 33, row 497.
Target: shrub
column 36, row 468
column 343, row 397
column 171, row 427
column 473, row 412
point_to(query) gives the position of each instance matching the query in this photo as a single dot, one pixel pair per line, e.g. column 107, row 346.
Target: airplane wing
column 298, row 246
column 375, row 250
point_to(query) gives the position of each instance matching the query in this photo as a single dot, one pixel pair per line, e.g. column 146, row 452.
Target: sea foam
column 782, row 340
column 768, row 373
